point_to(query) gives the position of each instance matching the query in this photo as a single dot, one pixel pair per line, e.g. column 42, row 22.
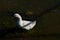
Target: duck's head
column 17, row 15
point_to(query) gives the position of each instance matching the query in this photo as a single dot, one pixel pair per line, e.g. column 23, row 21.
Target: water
column 47, row 24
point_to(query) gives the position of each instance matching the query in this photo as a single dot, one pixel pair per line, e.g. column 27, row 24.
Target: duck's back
column 26, row 22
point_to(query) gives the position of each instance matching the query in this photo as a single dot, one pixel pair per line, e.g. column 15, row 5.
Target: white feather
column 25, row 24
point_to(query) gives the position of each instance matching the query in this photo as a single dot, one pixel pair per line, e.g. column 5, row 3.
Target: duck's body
column 25, row 24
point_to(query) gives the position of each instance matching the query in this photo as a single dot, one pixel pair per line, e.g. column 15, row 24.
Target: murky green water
column 47, row 24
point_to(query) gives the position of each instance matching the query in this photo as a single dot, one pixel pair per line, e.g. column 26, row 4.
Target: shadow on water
column 4, row 32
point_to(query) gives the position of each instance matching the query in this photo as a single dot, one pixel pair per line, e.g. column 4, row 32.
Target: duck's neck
column 20, row 20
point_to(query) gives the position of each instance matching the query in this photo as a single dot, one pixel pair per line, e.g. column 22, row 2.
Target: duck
column 25, row 24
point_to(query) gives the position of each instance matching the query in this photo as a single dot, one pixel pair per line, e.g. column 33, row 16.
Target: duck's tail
column 28, row 27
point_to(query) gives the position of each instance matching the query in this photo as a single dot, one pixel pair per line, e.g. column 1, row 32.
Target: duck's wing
column 26, row 22
column 30, row 26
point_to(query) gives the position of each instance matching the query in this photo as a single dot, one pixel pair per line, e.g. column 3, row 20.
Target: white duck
column 24, row 23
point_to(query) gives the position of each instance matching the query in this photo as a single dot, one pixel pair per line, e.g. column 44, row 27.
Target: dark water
column 48, row 25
